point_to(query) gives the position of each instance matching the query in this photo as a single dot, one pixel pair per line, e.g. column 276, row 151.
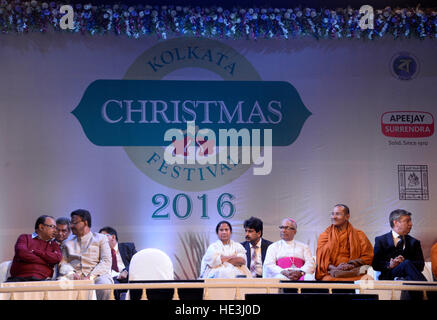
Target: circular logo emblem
column 404, row 66
column 161, row 61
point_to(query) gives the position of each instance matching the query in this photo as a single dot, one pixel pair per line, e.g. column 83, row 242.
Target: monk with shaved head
column 342, row 250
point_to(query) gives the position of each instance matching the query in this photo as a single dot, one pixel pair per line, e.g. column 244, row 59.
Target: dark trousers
column 21, row 279
column 117, row 293
column 408, row 271
column 134, row 294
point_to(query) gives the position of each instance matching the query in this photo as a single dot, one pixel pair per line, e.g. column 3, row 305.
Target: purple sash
column 286, row 262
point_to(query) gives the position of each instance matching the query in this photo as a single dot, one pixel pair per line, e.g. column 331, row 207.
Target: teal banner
column 139, row 112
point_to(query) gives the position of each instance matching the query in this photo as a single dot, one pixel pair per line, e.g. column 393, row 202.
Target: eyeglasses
column 51, row 226
column 286, row 228
column 75, row 222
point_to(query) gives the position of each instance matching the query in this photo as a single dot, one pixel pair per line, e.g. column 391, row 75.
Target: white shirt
column 120, row 263
column 396, row 238
column 281, row 249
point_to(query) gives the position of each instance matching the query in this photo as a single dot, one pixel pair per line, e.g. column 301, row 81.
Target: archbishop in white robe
column 212, row 266
column 297, row 254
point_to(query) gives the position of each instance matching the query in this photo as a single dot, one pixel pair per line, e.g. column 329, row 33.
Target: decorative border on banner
column 413, row 182
column 215, row 22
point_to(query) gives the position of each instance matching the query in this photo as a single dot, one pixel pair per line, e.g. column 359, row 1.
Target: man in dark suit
column 398, row 255
column 122, row 254
column 255, row 245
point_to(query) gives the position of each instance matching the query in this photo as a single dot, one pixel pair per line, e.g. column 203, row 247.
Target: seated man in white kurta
column 287, row 258
column 224, row 258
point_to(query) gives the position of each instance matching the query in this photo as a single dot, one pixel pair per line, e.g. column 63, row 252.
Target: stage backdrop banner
column 137, row 132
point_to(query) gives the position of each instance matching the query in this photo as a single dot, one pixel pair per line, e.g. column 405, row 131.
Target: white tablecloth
column 51, row 295
column 230, row 293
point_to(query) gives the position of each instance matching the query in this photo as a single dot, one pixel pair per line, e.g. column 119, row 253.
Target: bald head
column 340, row 216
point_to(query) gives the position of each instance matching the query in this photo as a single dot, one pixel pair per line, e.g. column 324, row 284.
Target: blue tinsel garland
column 215, row 22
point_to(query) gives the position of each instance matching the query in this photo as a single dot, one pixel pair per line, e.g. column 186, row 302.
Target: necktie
column 253, row 262
column 114, row 260
column 400, row 245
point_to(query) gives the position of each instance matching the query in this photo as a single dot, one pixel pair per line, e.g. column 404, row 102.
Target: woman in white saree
column 224, row 258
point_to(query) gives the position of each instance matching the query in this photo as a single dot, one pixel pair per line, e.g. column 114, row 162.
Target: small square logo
column 413, row 182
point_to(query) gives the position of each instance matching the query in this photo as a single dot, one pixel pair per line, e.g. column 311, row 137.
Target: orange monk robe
column 434, row 260
column 335, row 247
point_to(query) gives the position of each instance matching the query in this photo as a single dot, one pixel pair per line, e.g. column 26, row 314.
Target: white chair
column 373, row 273
column 5, row 270
column 151, row 264
column 427, row 272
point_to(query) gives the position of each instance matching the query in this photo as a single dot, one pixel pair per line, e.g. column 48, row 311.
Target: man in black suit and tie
column 122, row 254
column 255, row 245
column 398, row 255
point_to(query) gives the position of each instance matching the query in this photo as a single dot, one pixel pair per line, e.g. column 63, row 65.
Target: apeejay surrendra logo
column 407, row 124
